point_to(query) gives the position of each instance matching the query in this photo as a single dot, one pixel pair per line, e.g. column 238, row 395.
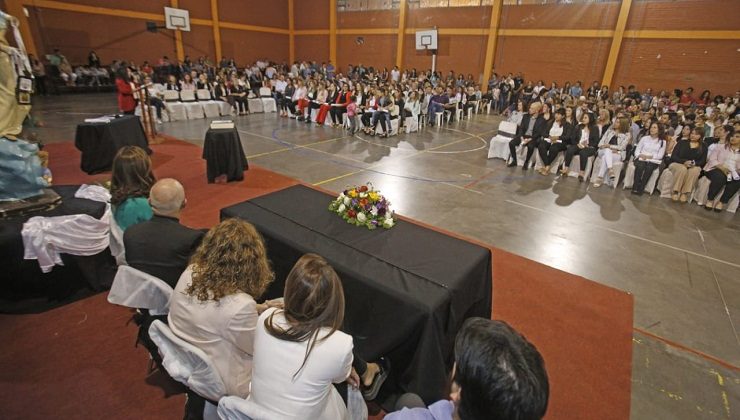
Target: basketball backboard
column 177, row 19
column 426, row 40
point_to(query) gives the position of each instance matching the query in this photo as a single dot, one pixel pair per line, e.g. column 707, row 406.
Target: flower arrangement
column 363, row 206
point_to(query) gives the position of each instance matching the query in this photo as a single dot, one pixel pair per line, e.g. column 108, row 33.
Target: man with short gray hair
column 162, row 246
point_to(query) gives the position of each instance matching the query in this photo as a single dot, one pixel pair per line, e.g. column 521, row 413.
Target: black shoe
column 371, row 392
column 512, row 164
column 580, row 178
column 300, row 118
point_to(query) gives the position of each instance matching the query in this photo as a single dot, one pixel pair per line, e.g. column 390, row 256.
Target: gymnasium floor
column 679, row 261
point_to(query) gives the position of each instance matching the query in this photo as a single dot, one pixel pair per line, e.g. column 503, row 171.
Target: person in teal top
column 131, row 181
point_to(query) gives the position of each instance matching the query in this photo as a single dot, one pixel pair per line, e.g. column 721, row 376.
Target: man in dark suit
column 532, row 129
column 162, row 246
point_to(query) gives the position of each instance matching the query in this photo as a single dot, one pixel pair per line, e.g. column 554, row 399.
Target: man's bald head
column 167, row 197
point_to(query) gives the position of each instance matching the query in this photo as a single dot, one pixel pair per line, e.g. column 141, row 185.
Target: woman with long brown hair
column 131, row 180
column 213, row 306
column 300, row 351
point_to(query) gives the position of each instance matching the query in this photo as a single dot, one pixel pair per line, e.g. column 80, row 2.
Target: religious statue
column 23, row 171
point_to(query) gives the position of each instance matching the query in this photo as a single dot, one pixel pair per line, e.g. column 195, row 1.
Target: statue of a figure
column 22, row 166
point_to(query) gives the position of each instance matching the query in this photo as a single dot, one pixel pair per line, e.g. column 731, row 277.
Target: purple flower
column 381, row 211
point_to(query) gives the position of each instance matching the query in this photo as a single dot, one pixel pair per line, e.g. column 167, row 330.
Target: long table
column 407, row 289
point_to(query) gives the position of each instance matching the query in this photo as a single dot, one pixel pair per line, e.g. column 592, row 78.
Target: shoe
column 636, row 192
column 718, row 207
column 300, row 118
column 159, row 121
column 598, row 182
column 512, row 164
column 525, row 166
column 564, row 172
column 684, row 198
column 708, row 207
column 674, row 196
column 371, row 392
column 308, row 121
column 580, row 178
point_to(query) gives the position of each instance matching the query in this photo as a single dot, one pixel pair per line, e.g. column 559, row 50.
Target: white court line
column 719, row 288
column 629, row 235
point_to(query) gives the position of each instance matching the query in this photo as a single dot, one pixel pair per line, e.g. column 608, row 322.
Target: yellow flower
column 373, row 196
column 352, row 193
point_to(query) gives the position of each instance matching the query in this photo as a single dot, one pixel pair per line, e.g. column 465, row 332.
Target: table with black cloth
column 408, row 289
column 99, row 142
column 224, row 155
column 22, row 280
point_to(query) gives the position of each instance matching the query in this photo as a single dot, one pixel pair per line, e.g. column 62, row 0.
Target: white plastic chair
column 133, row 288
column 116, row 241
column 538, row 163
column 193, row 109
column 211, row 108
column 629, row 178
column 665, row 184
column 175, row 109
column 255, row 104
column 499, row 147
column 702, row 191
column 188, row 365
column 394, row 128
column 225, row 108
column 268, row 102
column 616, row 167
column 411, row 124
column 575, row 167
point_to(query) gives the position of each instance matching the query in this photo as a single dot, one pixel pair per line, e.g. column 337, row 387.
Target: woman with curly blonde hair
column 213, row 306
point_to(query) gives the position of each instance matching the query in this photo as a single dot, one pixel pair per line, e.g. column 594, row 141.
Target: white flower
column 341, row 195
column 361, row 217
column 341, row 208
column 347, row 201
column 363, row 194
column 388, row 223
column 374, row 211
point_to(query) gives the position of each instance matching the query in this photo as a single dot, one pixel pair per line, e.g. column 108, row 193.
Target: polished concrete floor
column 680, row 262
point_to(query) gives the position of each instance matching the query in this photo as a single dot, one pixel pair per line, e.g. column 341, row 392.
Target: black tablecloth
column 99, row 142
column 224, row 155
column 22, row 279
column 408, row 289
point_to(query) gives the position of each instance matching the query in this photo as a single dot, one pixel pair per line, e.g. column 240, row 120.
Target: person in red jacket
column 126, row 102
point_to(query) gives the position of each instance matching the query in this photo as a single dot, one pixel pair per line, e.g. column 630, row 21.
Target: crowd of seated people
column 573, row 120
column 92, row 73
column 690, row 137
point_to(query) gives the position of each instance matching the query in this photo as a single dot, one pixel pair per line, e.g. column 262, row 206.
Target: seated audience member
column 584, row 144
column 299, row 352
column 497, row 375
column 613, row 145
column 131, row 180
column 162, row 246
column 723, row 170
column 213, row 306
column 686, row 162
column 339, row 107
column 551, row 145
column 648, row 155
column 532, row 129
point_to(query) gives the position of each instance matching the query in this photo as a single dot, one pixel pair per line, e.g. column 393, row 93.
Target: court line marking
column 293, row 147
column 382, row 163
column 629, row 235
column 719, row 288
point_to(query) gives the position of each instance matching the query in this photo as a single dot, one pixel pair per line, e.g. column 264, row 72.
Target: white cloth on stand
column 93, row 192
column 45, row 238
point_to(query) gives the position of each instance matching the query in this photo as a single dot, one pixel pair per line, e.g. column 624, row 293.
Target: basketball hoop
column 177, row 19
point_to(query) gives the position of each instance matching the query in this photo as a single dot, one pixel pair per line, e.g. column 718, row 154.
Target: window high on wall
column 361, row 5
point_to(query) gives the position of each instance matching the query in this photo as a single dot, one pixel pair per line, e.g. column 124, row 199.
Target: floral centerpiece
column 363, row 206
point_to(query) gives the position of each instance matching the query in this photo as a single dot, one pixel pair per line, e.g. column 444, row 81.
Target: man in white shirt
column 395, row 74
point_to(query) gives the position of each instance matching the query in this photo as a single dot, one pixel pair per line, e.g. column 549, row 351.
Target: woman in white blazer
column 213, row 306
column 299, row 352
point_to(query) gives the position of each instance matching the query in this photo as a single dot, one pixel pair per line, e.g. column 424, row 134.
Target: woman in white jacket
column 648, row 156
column 299, row 352
column 612, row 146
